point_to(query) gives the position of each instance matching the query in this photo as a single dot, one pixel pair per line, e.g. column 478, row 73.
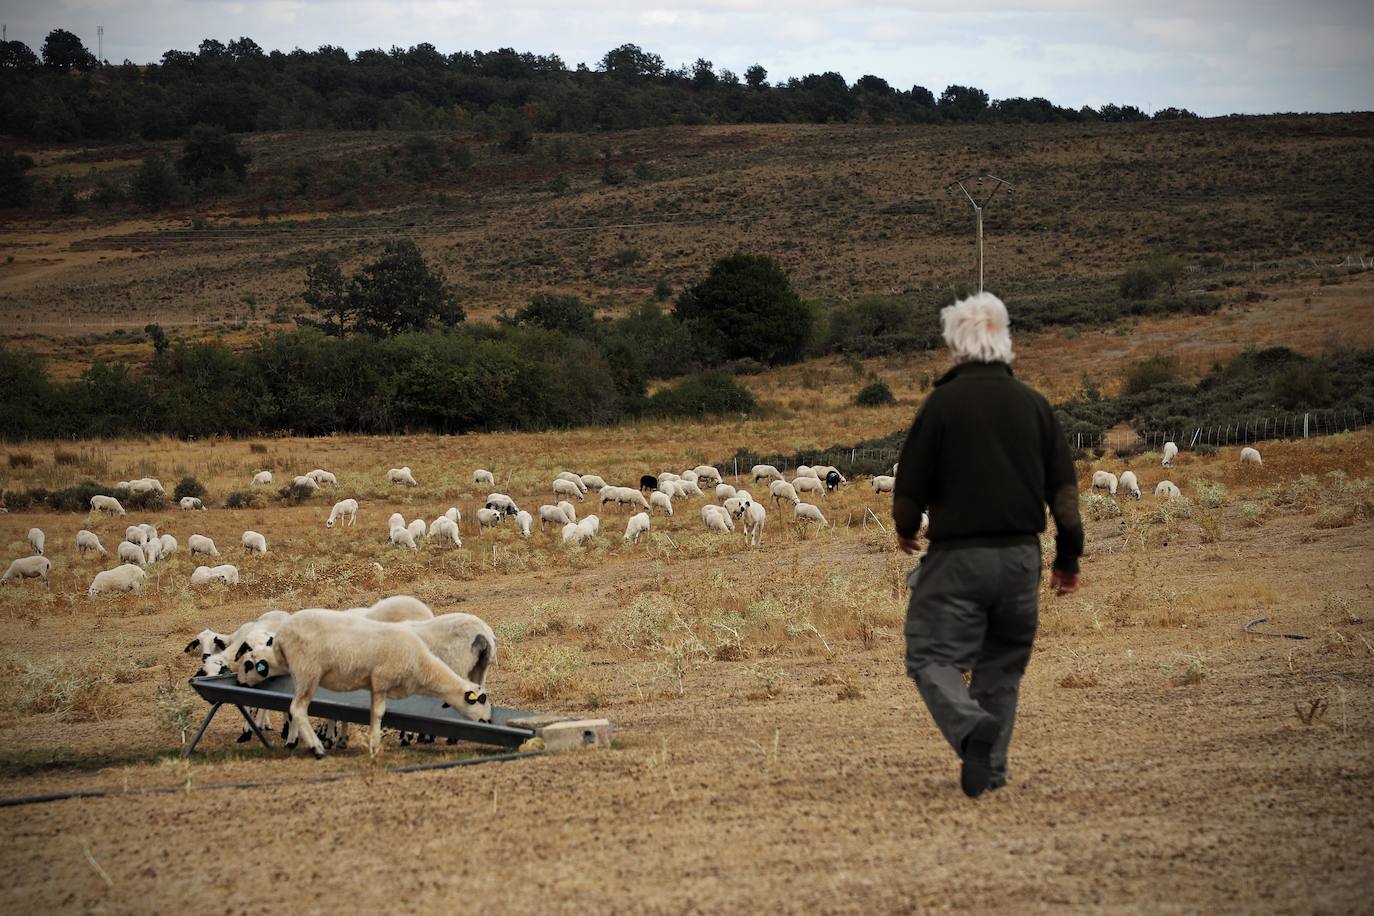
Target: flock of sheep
column 1129, row 484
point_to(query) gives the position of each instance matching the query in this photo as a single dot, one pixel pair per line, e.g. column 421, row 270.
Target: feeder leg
column 201, row 731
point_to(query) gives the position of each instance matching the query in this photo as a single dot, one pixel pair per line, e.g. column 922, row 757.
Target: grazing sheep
column 624, row 496
column 566, row 488
column 344, row 508
column 401, row 537
column 524, row 520
column 307, row 484
column 1248, row 455
column 87, row 540
column 227, row 573
column 780, row 490
column 764, row 472
column 569, row 533
column 592, row 482
column 453, row 515
column 146, row 485
column 574, row 479
column 417, row 528
column 124, row 578
column 502, row 503
column 1170, row 452
column 1167, row 489
column 396, row 609
column 397, row 520
column 805, row 471
column 218, row 651
column 660, row 500
column 149, row 532
column 592, row 523
column 445, row 527
column 754, row 517
column 322, row 477
column 262, row 478
column 487, row 518
column 637, row 525
column 169, row 545
column 553, row 515
column 340, row 652
column 568, row 509
column 37, row 540
column 808, row 485
column 724, row 491
column 1130, row 484
column 648, row 482
column 690, row 476
column 810, row 513
column 106, row 504
column 152, row 551
column 252, row 541
column 129, row 552
column 190, row 502
column 401, row 475
column 884, row 483
column 667, row 475
column 706, row 474
column 483, row 476
column 1105, row 480
column 690, row 488
column 464, row 642
column 717, row 519
column 833, row 480
column 29, row 568
column 199, row 543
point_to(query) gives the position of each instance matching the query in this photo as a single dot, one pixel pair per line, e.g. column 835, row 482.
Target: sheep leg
column 248, row 719
column 300, row 704
column 378, row 710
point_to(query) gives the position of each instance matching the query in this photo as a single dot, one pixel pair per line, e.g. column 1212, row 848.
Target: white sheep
column 637, row 525
column 106, row 504
column 152, row 551
column 563, row 487
column 417, row 528
column 805, row 471
column 401, row 537
column 717, row 519
column 487, row 518
column 724, row 491
column 149, row 531
column 227, row 573
column 524, row 520
column 668, row 475
column 1248, row 455
column 780, row 490
column 754, row 517
column 808, row 512
column 483, row 476
column 592, row 523
column 262, row 478
column 593, row 482
column 569, row 533
column 1104, row 480
column 124, row 578
column 146, row 485
column 36, row 567
column 322, row 477
column 464, row 642
column 169, row 545
column 706, row 474
column 199, row 543
column 340, row 652
column 568, row 509
column 502, row 503
column 553, row 515
column 690, row 488
column 808, row 485
column 189, row 503
column 764, row 472
column 397, row 520
column 660, row 500
column 574, row 479
column 344, row 508
column 401, row 475
column 445, row 527
column 218, row 650
column 129, row 552
column 744, row 494
column 669, row 487
column 1130, row 484
column 1167, row 489
column 884, row 483
column 37, row 540
column 253, row 542
column 305, row 483
column 690, row 476
column 579, row 533
column 1170, row 452
column 88, row 540
column 396, row 609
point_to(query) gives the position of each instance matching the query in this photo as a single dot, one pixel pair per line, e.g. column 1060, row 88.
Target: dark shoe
column 978, row 774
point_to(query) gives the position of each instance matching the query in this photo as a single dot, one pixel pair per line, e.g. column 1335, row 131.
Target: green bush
column 1139, row 283
column 188, row 486
column 1149, row 373
column 76, row 498
column 746, row 308
column 874, row 394
column 709, row 394
column 154, row 186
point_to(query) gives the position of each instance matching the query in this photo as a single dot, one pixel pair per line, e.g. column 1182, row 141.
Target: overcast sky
column 1212, row 56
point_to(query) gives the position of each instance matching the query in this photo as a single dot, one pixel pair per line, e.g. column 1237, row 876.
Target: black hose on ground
column 1259, row 620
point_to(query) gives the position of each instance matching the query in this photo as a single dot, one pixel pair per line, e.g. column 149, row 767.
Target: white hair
column 977, row 330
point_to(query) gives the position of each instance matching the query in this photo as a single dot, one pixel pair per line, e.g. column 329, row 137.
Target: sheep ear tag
column 261, row 668
column 470, row 696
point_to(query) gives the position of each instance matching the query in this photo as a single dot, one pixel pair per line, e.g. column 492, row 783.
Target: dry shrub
column 21, row 460
column 63, row 457
column 257, row 448
column 71, row 692
column 1098, row 507
column 544, row 672
column 1334, row 517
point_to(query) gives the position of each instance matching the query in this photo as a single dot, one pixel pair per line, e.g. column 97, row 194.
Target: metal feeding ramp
column 415, row 713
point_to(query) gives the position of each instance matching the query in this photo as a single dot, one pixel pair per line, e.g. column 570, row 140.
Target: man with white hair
column 984, row 456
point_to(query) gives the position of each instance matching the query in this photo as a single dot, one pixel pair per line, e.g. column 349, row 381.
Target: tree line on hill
column 62, row 93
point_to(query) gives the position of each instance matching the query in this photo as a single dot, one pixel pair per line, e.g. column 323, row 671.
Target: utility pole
column 100, row 46
column 978, row 207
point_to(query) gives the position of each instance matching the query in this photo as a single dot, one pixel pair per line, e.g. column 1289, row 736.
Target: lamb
column 218, row 650
column 660, row 500
column 1248, row 455
column 322, row 477
column 87, row 540
column 706, row 474
column 37, row 539
column 574, row 479
column 416, row 528
column 483, row 476
column 445, row 527
column 724, row 491
column 169, row 545
column 764, row 472
column 717, row 519
column 593, row 482
column 487, row 518
column 120, row 579
column 228, row 574
column 453, row 515
column 129, row 552
column 401, row 475
column 1104, row 480
column 502, row 503
column 553, row 515
column 754, row 517
column 396, row 521
column 305, row 483
column 809, row 513
column 36, row 567
column 252, row 541
column 189, row 503
column 1167, row 489
column 1170, row 452
column 524, row 520
column 339, row 652
column 199, row 543
column 780, row 490
column 638, row 525
column 344, row 508
column 808, row 485
column 262, row 478
column 1130, row 484
column 563, row 487
column 106, row 504
column 884, row 483
column 568, row 509
column 401, row 537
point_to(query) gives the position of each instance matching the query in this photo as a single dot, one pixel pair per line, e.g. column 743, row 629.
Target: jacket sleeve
column 916, row 472
column 1061, row 492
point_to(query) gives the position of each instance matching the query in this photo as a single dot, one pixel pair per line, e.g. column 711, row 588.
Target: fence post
column 1305, row 418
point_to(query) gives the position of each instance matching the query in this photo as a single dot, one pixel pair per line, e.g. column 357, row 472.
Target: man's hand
column 1063, row 583
column 908, row 545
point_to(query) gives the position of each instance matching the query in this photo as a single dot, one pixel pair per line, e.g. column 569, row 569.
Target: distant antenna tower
column 100, row 45
column 978, row 206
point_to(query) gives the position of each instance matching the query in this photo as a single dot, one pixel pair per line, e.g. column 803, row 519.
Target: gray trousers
column 973, row 609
